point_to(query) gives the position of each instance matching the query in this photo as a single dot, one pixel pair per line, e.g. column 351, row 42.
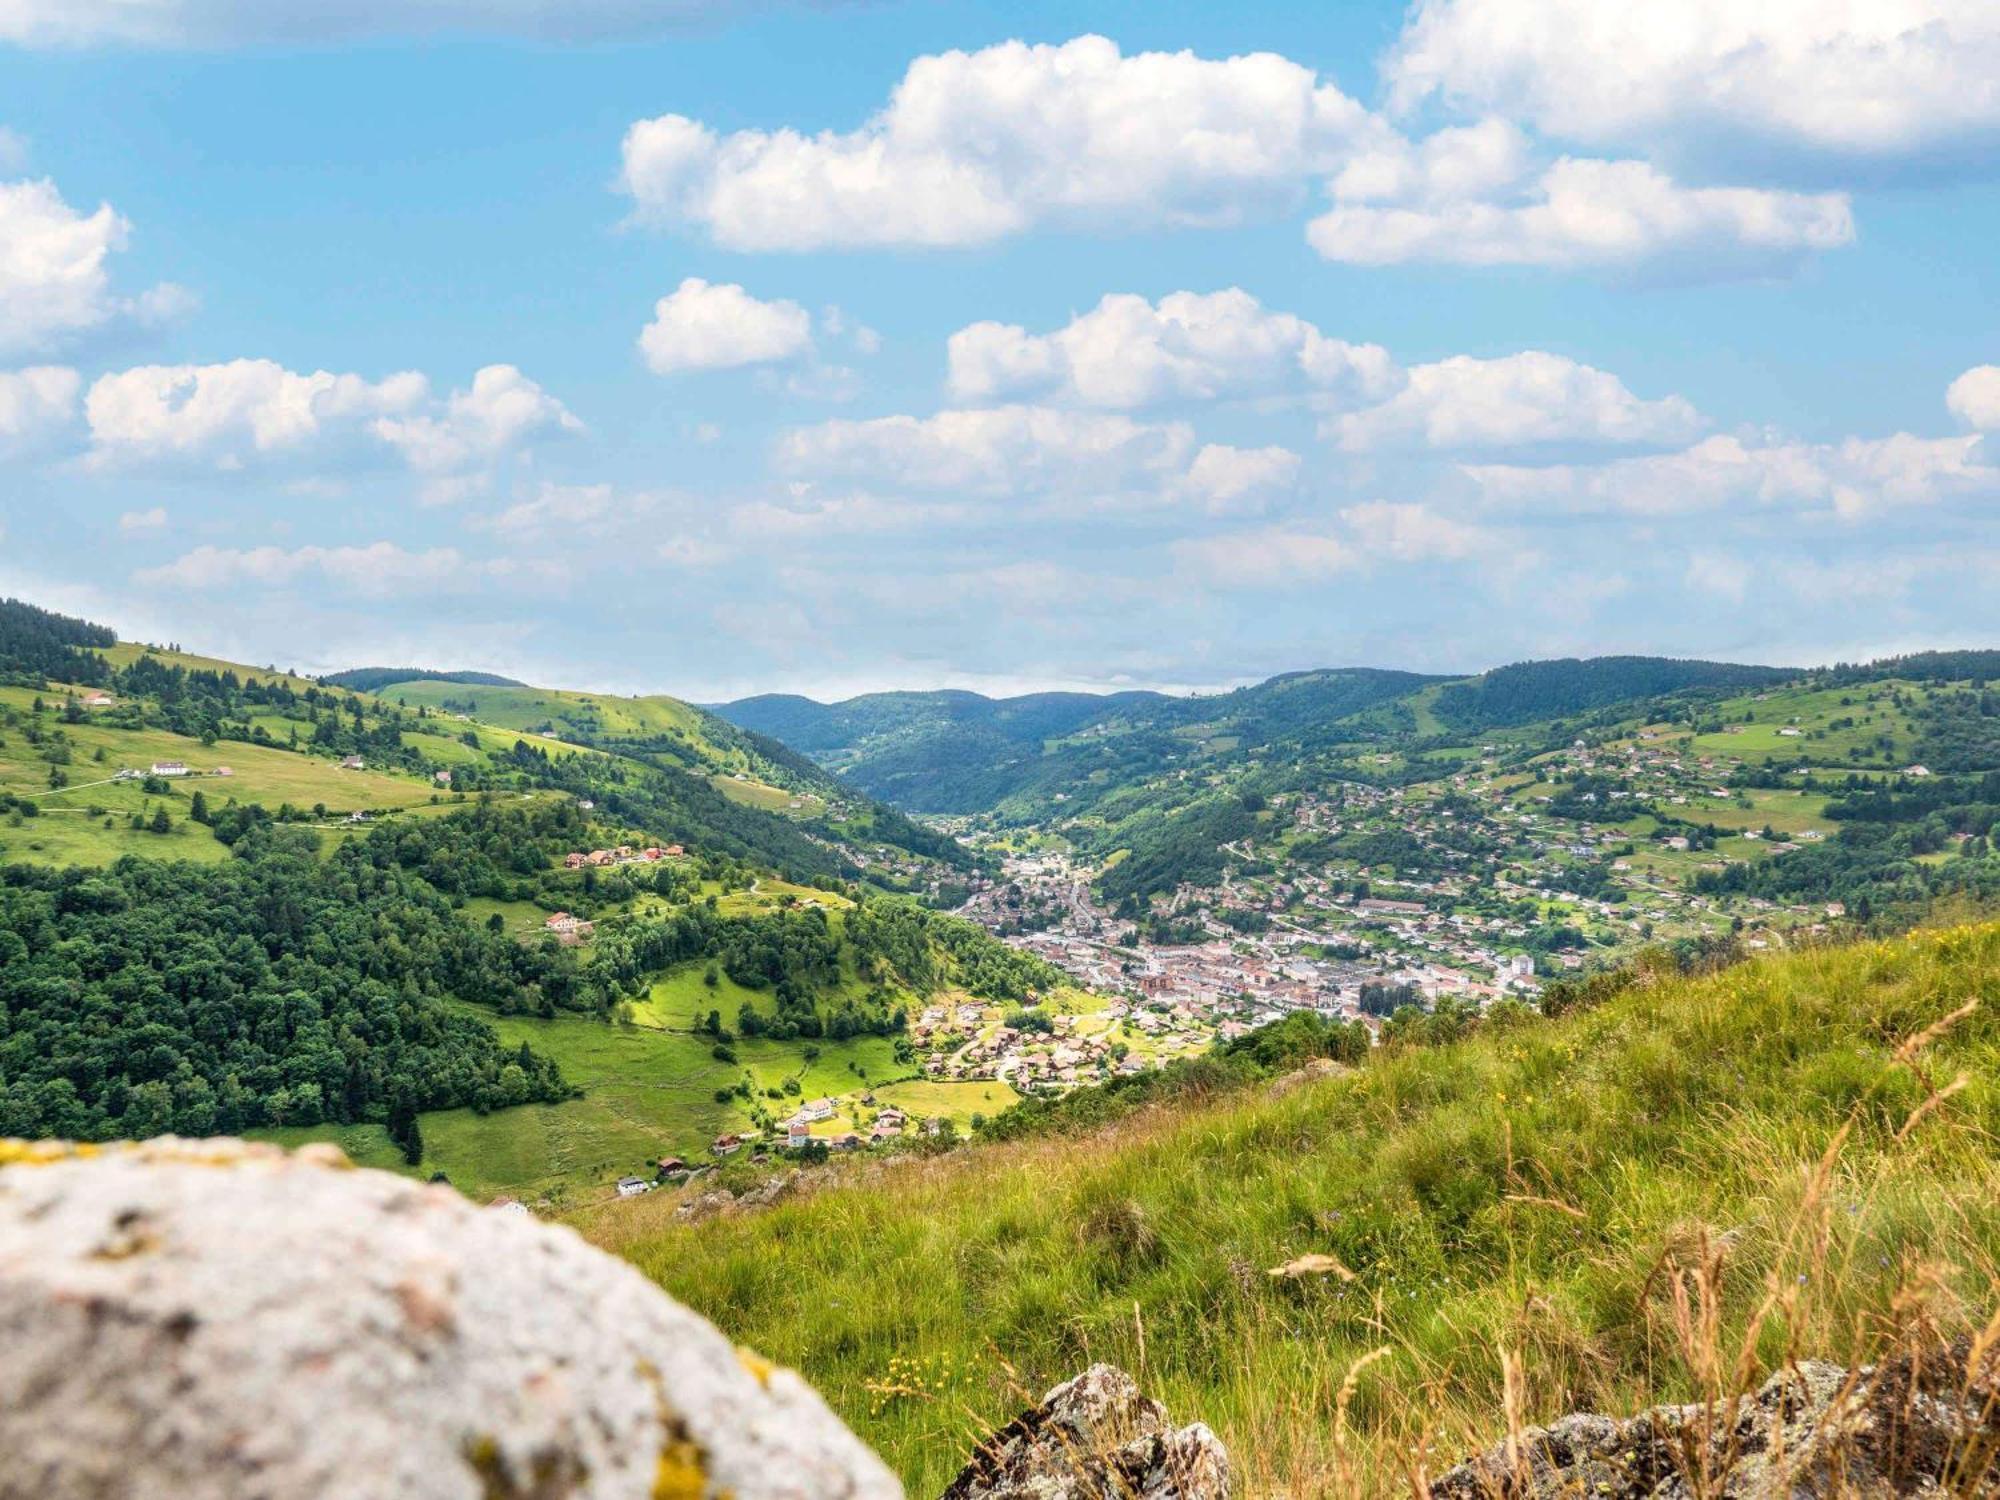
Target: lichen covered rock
column 221, row 1320
column 1096, row 1438
column 1919, row 1425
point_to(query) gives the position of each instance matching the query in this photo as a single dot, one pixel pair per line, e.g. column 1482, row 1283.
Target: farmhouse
column 725, row 1145
column 568, row 928
column 99, row 700
column 170, row 768
column 632, row 1187
column 353, row 763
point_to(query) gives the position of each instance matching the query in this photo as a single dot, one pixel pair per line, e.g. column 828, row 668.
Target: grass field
column 769, row 798
column 1536, row 1200
column 1819, row 715
column 572, row 715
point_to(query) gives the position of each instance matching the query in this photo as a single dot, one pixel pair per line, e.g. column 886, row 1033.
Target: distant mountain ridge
column 953, row 751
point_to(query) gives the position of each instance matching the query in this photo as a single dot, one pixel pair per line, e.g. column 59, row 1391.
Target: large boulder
column 1924, row 1425
column 221, row 1320
column 1096, row 1438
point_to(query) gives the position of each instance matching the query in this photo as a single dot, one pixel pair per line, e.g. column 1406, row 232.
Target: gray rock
column 1920, row 1425
column 220, row 1321
column 1096, row 1438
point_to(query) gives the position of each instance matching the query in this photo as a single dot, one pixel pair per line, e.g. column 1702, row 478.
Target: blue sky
column 716, row 347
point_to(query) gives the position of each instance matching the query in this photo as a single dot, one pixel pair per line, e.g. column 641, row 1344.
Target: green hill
column 78, row 707
column 1658, row 1195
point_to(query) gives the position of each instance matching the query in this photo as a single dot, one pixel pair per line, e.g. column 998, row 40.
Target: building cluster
column 624, row 854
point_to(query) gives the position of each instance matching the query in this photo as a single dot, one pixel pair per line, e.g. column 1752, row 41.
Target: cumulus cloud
column 1411, row 533
column 503, row 413
column 226, row 413
column 1190, row 346
column 1974, row 398
column 975, row 146
column 1520, row 400
column 705, row 325
column 54, row 281
column 229, row 23
column 1853, row 478
column 1580, row 213
column 1224, row 478
column 1013, row 451
column 250, row 411
column 377, row 570
column 35, row 404
column 1885, row 79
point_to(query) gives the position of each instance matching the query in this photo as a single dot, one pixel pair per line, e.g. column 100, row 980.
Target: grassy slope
column 1534, row 1194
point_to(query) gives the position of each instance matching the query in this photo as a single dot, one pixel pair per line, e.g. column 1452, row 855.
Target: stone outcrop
column 220, row 1320
column 1096, row 1438
column 1918, row 1426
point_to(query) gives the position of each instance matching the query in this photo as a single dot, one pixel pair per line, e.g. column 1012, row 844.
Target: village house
column 817, row 1109
column 798, row 1133
column 353, row 763
column 632, row 1187
column 99, row 700
column 726, row 1145
column 170, row 768
column 569, row 929
column 847, row 1140
column 672, row 1166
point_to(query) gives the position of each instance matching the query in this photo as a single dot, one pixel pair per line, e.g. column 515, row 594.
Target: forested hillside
column 275, row 989
column 36, row 644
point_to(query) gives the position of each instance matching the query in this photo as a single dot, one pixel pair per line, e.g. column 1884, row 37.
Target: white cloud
column 1974, row 398
column 229, row 23
column 1004, row 450
column 226, row 414
column 1128, row 352
column 1522, row 399
column 811, row 514
column 1290, row 554
column 54, row 285
column 590, row 509
column 704, row 325
column 1222, row 478
column 380, row 569
column 35, row 403
column 1586, row 214
column 1853, row 478
column 1269, row 556
column 974, row 146
column 1411, row 533
column 456, row 446
column 1099, row 458
column 154, row 519
column 255, row 412
column 1837, row 78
